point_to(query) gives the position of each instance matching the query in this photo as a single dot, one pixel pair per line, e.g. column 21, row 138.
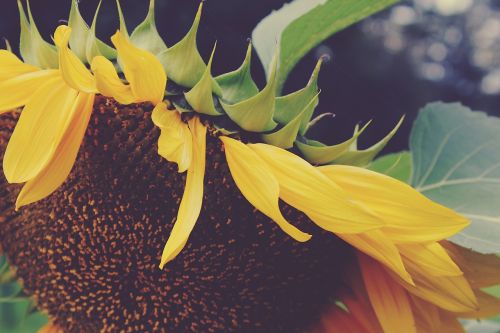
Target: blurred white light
column 403, row 15
column 432, row 71
column 452, row 7
column 437, row 52
column 491, row 83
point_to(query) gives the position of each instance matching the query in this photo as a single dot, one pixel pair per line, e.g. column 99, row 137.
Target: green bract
column 233, row 100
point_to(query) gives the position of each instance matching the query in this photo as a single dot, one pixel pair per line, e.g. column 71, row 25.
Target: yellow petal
column 305, row 188
column 426, row 315
column 363, row 312
column 38, row 131
column 257, row 183
column 410, row 216
column 60, row 165
column 481, row 270
column 175, row 143
column 389, row 300
column 375, row 244
column 431, row 259
column 11, row 66
column 338, row 320
column 142, row 69
column 16, row 91
column 74, row 72
column 452, row 293
column 109, row 83
column 449, row 323
column 190, row 207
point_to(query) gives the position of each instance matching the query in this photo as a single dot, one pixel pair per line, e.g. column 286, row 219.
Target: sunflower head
column 131, row 157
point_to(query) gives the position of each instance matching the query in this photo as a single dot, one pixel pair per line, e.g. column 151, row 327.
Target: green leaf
column 123, row 24
column 396, row 165
column 302, row 24
column 34, row 49
column 255, row 114
column 286, row 136
column 146, row 36
column 456, row 162
column 287, row 107
column 183, row 62
column 364, row 157
column 238, row 85
column 317, row 153
column 200, row 97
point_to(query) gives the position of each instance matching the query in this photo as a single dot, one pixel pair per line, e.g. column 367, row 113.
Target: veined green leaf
column 285, row 137
column 397, row 165
column 146, row 36
column 255, row 114
column 183, row 62
column 34, row 49
column 200, row 97
column 456, row 162
column 318, row 153
column 302, row 24
column 238, row 85
column 287, row 107
column 364, row 157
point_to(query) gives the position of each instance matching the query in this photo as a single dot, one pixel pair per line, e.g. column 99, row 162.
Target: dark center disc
column 90, row 252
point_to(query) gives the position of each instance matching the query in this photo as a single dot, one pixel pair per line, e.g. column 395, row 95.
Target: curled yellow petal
column 17, row 91
column 257, row 183
column 11, row 66
column 410, row 216
column 307, row 189
column 175, row 143
column 142, row 69
column 109, row 83
column 74, row 72
column 191, row 202
column 38, row 131
column 375, row 244
column 389, row 300
column 451, row 293
column 60, row 165
column 431, row 259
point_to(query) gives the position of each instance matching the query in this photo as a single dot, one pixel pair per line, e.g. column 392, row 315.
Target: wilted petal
column 60, row 165
column 191, row 202
column 11, row 66
column 389, row 300
column 17, row 91
column 142, row 69
column 109, row 83
column 39, row 130
column 307, row 189
column 74, row 72
column 410, row 216
column 481, row 270
column 258, row 184
column 175, row 143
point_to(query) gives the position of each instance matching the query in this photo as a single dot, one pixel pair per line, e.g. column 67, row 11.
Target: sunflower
column 261, row 228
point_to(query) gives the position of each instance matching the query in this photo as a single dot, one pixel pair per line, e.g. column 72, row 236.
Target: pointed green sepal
column 285, row 136
column 123, row 24
column 364, row 157
column 183, row 62
column 318, row 153
column 287, row 107
column 200, row 97
column 238, row 85
column 96, row 47
column 146, row 36
column 8, row 47
column 79, row 32
column 320, row 117
column 255, row 114
column 34, row 49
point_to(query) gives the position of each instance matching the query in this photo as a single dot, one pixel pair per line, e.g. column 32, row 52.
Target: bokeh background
column 394, row 63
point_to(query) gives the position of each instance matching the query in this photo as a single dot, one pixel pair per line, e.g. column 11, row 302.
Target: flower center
column 89, row 252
